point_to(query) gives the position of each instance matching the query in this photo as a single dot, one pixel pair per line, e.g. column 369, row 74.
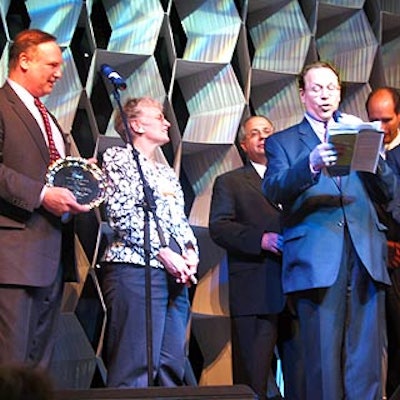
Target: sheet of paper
column 358, row 147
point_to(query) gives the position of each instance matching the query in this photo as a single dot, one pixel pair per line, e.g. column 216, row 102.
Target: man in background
column 383, row 104
column 36, row 249
column 248, row 226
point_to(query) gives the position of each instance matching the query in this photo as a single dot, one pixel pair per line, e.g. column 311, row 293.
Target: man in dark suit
column 36, row 249
column 383, row 104
column 334, row 247
column 248, row 226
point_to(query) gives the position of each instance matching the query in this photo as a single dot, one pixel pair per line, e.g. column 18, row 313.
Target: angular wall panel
column 355, row 56
column 212, row 29
column 281, row 41
column 135, row 25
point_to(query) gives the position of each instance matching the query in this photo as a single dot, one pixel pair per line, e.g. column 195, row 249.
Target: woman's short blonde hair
column 133, row 108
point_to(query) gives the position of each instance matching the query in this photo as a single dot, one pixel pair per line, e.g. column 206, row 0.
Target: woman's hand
column 176, row 265
column 192, row 261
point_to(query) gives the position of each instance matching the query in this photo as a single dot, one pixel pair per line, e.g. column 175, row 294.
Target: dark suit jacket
column 239, row 216
column 393, row 220
column 31, row 239
column 314, row 217
column 389, row 214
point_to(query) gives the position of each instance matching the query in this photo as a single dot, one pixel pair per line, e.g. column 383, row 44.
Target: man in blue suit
column 383, row 104
column 334, row 250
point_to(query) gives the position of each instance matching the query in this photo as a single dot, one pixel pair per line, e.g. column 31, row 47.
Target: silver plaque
column 85, row 180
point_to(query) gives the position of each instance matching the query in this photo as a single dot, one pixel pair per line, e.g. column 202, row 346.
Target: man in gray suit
column 334, row 250
column 36, row 249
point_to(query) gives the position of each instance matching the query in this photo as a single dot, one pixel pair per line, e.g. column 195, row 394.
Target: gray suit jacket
column 317, row 209
column 31, row 239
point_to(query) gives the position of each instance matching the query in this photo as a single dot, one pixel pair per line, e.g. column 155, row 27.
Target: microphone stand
column 149, row 206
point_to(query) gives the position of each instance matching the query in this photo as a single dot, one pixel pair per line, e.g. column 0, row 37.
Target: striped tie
column 54, row 154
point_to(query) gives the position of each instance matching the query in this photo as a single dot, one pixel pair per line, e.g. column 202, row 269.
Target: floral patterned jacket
column 125, row 213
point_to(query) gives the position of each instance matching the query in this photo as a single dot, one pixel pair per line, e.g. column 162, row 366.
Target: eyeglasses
column 160, row 116
column 316, row 90
column 256, row 133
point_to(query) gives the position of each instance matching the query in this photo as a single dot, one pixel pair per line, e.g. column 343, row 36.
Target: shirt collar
column 319, row 127
column 395, row 142
column 260, row 168
column 22, row 93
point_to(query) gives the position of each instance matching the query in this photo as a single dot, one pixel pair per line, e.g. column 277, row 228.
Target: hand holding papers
column 322, row 156
column 358, row 146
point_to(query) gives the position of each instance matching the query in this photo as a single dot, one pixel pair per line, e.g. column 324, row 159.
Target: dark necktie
column 325, row 131
column 54, row 154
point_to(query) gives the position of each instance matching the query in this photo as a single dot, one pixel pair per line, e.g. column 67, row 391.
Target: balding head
column 383, row 104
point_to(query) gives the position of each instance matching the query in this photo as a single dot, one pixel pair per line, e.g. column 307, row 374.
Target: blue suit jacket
column 393, row 159
column 390, row 216
column 317, row 209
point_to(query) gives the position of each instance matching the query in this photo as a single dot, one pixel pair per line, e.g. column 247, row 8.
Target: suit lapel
column 28, row 120
column 307, row 135
column 254, row 180
column 252, row 177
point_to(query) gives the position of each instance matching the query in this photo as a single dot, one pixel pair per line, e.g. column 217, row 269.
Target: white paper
column 358, row 146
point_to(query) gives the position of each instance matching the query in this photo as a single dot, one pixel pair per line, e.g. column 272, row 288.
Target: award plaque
column 85, row 180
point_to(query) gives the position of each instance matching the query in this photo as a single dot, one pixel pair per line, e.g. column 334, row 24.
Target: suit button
column 340, row 223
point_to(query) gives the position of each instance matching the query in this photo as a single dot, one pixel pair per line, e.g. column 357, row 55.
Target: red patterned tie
column 54, row 154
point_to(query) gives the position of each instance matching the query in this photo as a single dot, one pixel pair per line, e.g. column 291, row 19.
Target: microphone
column 114, row 77
column 337, row 115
